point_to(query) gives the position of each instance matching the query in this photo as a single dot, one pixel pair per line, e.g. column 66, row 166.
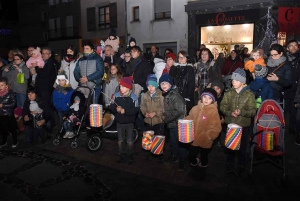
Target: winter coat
column 184, row 78
column 82, row 106
column 231, row 65
column 159, row 66
column 90, row 66
column 12, row 79
column 110, row 89
column 9, row 103
column 153, row 104
column 284, row 74
column 39, row 61
column 61, row 100
column 290, row 92
column 129, row 104
column 244, row 100
column 46, row 77
column 69, row 68
column 207, row 124
column 174, row 107
column 113, row 43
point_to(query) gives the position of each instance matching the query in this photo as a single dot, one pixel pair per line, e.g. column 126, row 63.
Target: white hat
column 62, row 77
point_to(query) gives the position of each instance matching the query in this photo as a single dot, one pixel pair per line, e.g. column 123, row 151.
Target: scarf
column 167, row 69
column 292, row 57
column 273, row 63
column 201, row 78
column 63, row 89
column 4, row 92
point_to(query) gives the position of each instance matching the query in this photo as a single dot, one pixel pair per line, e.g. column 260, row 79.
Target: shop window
column 136, row 13
column 162, row 9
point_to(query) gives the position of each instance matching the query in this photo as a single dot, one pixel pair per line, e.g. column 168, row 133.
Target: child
column 125, row 108
column 152, row 105
column 111, row 85
column 256, row 65
column 174, row 109
column 35, row 115
column 8, row 122
column 238, row 106
column 73, row 116
column 113, row 40
column 33, row 61
column 61, row 96
column 207, row 127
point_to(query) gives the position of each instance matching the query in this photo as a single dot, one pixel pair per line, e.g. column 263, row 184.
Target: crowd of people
column 150, row 92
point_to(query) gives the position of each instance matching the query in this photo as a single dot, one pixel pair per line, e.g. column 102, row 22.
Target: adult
column 110, row 57
column 279, row 71
column 197, row 56
column 68, row 64
column 230, row 65
column 244, row 53
column 202, row 46
column 153, row 54
column 11, row 73
column 89, row 70
column 126, row 61
column 293, row 56
column 183, row 77
column 206, row 71
column 167, row 51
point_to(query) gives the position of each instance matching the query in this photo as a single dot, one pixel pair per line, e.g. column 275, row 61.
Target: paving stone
column 9, row 193
column 10, row 163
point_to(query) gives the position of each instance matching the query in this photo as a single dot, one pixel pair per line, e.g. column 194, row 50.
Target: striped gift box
column 233, row 137
column 186, row 131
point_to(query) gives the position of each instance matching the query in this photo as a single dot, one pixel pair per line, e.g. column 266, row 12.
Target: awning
column 289, row 20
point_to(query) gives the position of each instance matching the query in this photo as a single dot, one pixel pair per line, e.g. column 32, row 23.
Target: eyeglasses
column 274, row 55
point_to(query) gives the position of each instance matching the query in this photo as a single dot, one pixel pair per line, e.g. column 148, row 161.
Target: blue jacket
column 92, row 65
column 61, row 101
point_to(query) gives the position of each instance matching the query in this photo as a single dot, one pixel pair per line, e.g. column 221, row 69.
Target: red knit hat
column 171, row 55
column 126, row 82
column 18, row 111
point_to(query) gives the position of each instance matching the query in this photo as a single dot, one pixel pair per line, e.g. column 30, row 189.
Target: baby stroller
column 85, row 95
column 268, row 138
column 108, row 130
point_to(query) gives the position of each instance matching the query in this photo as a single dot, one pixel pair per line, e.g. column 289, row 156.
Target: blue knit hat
column 152, row 80
column 209, row 92
column 240, row 75
column 166, row 78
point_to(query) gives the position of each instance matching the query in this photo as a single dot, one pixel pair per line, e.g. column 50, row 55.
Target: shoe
column 3, row 145
column 66, row 134
column 181, row 166
column 14, row 145
column 297, row 141
column 200, row 165
column 194, row 165
column 171, row 160
column 71, row 135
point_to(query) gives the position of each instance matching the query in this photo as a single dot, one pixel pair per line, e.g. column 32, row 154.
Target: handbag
column 20, row 78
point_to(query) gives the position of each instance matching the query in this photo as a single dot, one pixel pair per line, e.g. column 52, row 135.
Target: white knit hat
column 62, row 77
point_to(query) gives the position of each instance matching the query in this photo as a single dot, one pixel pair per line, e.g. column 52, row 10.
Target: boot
column 122, row 156
column 130, row 152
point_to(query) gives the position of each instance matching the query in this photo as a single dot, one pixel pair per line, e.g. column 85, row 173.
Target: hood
column 81, row 97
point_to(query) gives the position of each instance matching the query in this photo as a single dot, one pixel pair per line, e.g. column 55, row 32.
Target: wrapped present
column 233, row 137
column 267, row 140
column 158, row 143
column 96, row 115
column 186, row 131
column 147, row 140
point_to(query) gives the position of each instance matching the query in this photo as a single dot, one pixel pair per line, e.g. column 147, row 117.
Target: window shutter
column 162, row 6
column 113, row 15
column 91, row 18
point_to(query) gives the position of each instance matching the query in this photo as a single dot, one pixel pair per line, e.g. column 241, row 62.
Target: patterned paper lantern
column 233, row 137
column 186, row 131
column 96, row 115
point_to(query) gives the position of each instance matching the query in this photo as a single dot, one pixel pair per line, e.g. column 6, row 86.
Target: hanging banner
column 288, row 20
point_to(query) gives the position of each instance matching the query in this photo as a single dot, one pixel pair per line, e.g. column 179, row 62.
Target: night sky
column 8, row 9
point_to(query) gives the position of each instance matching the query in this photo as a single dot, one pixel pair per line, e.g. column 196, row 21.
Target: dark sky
column 11, row 7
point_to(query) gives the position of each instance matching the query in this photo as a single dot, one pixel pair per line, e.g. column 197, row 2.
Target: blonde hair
column 255, row 51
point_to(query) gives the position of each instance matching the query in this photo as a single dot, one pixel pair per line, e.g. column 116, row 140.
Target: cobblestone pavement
column 49, row 172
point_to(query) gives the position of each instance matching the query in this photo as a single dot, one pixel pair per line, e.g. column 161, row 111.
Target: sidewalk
column 45, row 169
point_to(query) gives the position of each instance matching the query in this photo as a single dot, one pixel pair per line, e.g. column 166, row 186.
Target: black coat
column 45, row 77
column 289, row 93
column 9, row 103
column 140, row 69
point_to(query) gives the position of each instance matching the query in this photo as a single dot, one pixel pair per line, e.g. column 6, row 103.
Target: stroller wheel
column 74, row 144
column 93, row 143
column 135, row 135
column 56, row 141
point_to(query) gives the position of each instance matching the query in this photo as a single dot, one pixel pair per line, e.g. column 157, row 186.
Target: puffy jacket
column 207, row 124
column 284, row 74
column 9, row 103
column 245, row 101
column 61, row 100
column 153, row 104
column 174, row 106
column 69, row 67
column 90, row 66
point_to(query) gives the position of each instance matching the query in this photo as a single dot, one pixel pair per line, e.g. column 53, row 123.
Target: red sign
column 221, row 19
column 288, row 19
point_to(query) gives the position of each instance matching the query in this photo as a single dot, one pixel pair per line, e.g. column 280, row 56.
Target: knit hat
column 210, row 92
column 18, row 111
column 62, row 76
column 76, row 98
column 113, row 33
column 261, row 71
column 240, row 75
column 166, row 78
column 132, row 40
column 217, row 83
column 126, row 82
column 34, row 107
column 152, row 80
column 171, row 55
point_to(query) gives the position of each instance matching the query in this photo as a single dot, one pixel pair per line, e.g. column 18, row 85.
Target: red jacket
column 231, row 65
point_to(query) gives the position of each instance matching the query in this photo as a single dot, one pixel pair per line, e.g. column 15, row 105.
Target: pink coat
column 39, row 60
